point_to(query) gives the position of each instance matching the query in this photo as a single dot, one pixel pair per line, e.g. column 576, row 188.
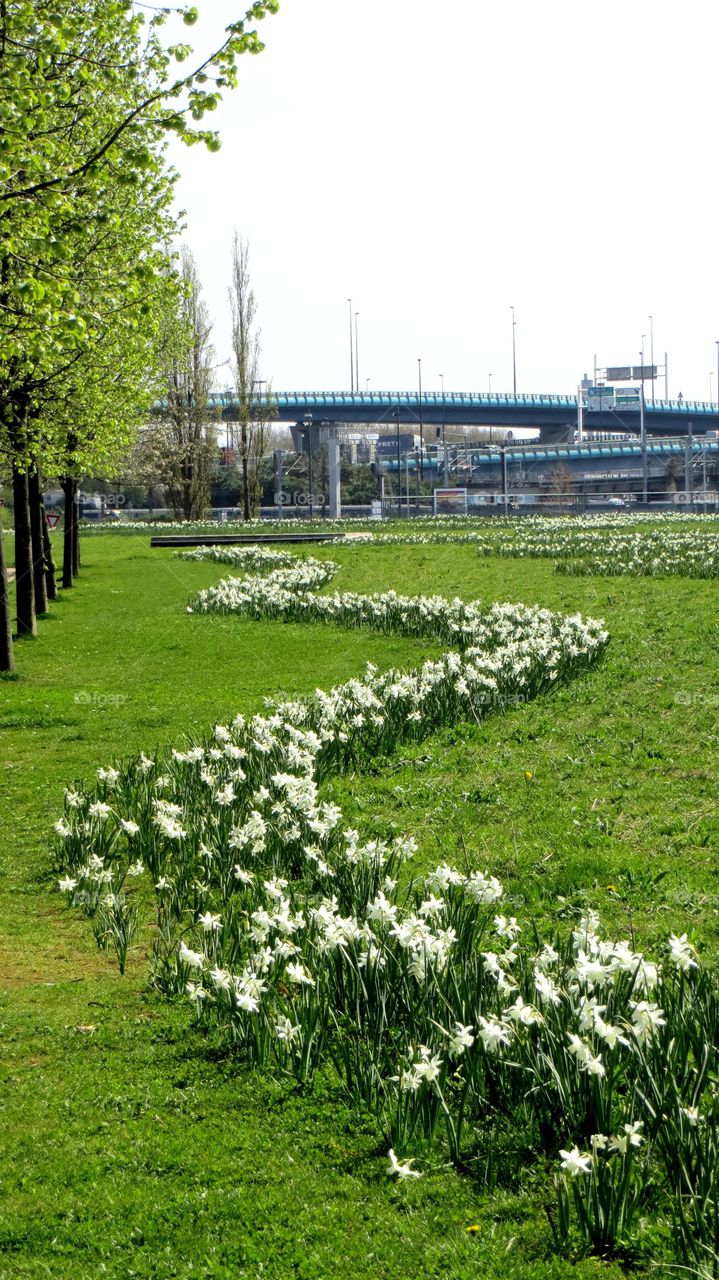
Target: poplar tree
column 253, row 407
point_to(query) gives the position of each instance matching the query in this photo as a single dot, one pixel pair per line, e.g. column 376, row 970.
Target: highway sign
column 631, row 373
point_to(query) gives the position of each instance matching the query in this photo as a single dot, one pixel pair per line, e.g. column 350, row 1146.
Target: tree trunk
column 75, row 530
column 67, row 488
column 246, row 504
column 38, row 543
column 7, row 661
column 24, row 588
column 50, row 583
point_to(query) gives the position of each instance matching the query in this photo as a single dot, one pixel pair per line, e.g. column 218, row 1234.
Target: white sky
column 438, row 162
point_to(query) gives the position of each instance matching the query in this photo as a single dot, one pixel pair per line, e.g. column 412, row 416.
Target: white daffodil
column 194, row 959
column 210, row 923
column 297, row 973
column 682, row 953
column 397, row 1170
column 574, row 1163
column 460, row 1039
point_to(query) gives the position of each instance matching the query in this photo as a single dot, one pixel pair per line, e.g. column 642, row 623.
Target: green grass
column 141, row 1148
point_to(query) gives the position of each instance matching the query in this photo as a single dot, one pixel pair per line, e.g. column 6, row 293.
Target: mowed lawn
column 132, row 1145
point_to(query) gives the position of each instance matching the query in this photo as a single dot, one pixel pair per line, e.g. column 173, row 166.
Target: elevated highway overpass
column 554, row 416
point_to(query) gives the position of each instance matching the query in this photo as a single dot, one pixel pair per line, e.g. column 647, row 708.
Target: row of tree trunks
column 50, row 581
column 39, row 567
column 75, row 530
column 7, row 662
column 35, row 582
column 71, row 539
column 24, row 576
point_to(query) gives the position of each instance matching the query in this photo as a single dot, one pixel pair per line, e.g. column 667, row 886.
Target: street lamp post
column 490, row 384
column 357, row 386
column 643, row 434
column 399, row 468
column 308, row 424
column 444, row 439
column 651, row 351
column 352, row 357
column 514, row 353
column 421, row 430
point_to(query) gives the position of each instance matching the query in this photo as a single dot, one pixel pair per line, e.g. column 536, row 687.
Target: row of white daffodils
column 582, row 549
column 435, row 1005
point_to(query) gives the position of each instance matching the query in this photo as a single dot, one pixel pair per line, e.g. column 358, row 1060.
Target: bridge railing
column 307, row 399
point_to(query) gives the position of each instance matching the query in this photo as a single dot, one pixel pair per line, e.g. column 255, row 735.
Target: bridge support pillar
column 562, row 434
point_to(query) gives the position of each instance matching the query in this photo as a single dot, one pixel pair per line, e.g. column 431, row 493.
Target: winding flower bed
column 436, row 1008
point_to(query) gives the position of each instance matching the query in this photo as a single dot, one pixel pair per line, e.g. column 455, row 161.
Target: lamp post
column 308, row 425
column 651, row 351
column 357, row 386
column 352, row 357
column 421, row 431
column 490, row 384
column 444, row 438
column 643, row 434
column 514, row 353
column 399, row 468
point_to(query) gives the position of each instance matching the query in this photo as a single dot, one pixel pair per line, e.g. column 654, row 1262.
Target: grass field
column 133, row 1145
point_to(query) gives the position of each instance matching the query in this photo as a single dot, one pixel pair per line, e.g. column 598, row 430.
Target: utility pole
column 352, row 358
column 421, row 430
column 308, row 425
column 643, row 438
column 444, row 439
column 399, row 468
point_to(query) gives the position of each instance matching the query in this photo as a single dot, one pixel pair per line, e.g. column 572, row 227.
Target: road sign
column 53, row 518
column 632, row 373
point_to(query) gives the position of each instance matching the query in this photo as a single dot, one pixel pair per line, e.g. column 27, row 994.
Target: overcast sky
column 441, row 162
